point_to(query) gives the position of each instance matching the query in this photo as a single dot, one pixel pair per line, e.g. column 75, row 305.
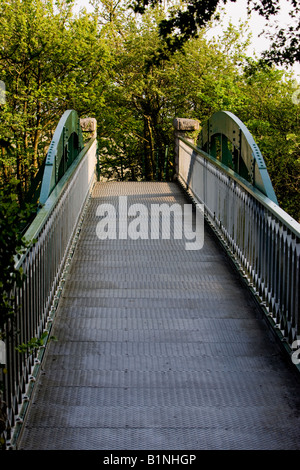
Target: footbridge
column 151, row 336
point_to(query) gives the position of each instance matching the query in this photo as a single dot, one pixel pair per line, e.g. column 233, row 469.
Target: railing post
column 261, row 238
column 188, row 129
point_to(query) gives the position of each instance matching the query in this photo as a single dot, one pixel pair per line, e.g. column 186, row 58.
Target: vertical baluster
column 297, row 290
column 271, row 263
column 293, row 293
column 282, row 275
column 278, row 271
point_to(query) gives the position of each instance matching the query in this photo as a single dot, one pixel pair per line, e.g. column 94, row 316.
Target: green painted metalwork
column 43, row 214
column 226, row 138
column 65, row 146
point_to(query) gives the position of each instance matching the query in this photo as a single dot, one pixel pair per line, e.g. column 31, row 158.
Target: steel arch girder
column 61, row 148
column 225, row 123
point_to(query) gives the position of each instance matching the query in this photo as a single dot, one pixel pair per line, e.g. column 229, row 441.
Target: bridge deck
column 158, row 348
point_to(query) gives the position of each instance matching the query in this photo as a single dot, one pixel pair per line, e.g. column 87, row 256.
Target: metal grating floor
column 158, row 348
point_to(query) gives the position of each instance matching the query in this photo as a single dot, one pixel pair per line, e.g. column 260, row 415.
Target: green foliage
column 98, row 64
column 142, row 100
column 34, row 343
column 12, row 246
column 188, row 17
column 50, row 61
column 135, row 123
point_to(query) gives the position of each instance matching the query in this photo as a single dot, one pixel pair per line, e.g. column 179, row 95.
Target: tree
column 49, row 61
column 203, row 78
column 185, row 21
column 132, row 126
column 136, row 126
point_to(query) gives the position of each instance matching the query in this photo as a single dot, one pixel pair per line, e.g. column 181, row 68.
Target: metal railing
column 263, row 240
column 53, row 231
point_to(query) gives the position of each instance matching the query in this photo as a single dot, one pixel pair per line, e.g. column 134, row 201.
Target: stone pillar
column 184, row 128
column 89, row 125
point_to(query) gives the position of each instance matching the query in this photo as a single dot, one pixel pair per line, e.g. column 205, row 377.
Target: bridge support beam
column 188, row 129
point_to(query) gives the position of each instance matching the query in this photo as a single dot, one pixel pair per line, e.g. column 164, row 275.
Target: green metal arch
column 65, row 146
column 225, row 136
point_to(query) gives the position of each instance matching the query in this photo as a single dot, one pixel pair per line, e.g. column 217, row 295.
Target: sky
column 236, row 12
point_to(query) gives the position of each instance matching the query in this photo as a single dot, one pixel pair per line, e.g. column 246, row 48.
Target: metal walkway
column 158, row 348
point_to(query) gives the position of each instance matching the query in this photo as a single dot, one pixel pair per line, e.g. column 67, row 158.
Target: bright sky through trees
column 236, row 12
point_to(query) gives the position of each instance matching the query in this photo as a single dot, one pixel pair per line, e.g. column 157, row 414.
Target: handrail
column 261, row 238
column 41, row 218
column 283, row 216
column 52, row 234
